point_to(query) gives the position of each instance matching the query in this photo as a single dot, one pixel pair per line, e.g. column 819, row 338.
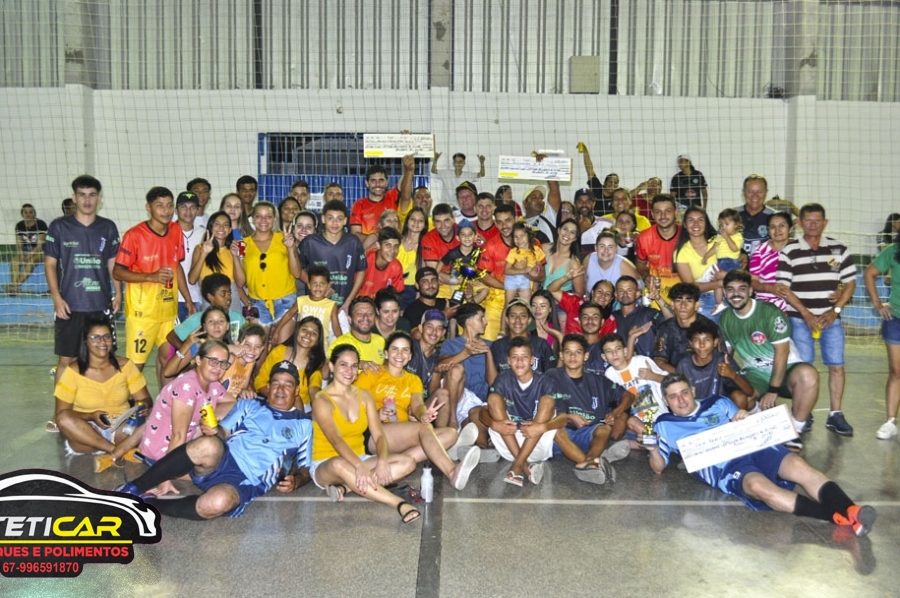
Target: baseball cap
column 531, row 190
column 464, row 223
column 467, row 185
column 582, row 191
column 423, row 272
column 187, row 197
column 434, row 315
column 285, row 367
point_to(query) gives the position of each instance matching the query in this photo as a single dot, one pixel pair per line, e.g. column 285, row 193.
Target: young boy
column 318, row 303
column 465, row 234
column 640, row 375
column 383, row 268
column 149, row 260
column 709, row 370
column 237, row 379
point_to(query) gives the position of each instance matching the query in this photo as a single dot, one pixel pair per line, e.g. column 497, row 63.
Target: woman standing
column 240, row 224
column 271, row 264
column 691, row 265
column 764, row 261
column 410, row 253
column 888, row 261
column 605, row 263
column 216, row 254
column 689, row 186
column 563, row 258
column 342, row 414
column 95, row 390
column 307, row 352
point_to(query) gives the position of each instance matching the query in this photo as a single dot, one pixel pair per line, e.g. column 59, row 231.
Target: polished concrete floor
column 645, row 535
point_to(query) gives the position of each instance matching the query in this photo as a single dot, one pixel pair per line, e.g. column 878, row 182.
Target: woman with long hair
column 216, row 254
column 563, row 259
column 888, row 262
column 626, row 235
column 890, row 230
column 93, row 392
column 690, row 259
column 240, row 224
column 215, row 324
column 546, row 319
column 410, row 253
column 287, row 210
column 342, row 415
column 307, row 352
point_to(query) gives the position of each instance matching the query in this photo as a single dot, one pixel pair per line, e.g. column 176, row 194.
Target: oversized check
column 736, row 439
column 397, row 145
column 527, row 168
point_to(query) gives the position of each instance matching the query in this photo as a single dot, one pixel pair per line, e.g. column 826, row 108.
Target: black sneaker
column 795, row 445
column 838, row 424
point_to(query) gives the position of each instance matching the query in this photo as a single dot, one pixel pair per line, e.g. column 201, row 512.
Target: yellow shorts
column 494, row 305
column 141, row 335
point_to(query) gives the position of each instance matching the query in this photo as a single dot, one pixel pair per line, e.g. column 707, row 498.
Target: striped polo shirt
column 814, row 274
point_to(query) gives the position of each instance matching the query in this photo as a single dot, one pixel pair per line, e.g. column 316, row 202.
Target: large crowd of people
column 370, row 339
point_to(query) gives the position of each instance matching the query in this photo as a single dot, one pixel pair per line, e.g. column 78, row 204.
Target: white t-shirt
column 192, row 239
column 647, row 392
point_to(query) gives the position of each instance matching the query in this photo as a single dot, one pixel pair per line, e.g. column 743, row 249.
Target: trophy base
column 457, row 298
column 650, row 440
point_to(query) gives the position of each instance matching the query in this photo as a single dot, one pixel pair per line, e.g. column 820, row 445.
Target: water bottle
column 427, row 490
column 390, row 403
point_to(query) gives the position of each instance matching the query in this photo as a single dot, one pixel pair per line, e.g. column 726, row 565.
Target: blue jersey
column 475, row 365
column 264, row 441
column 712, row 413
column 592, row 396
column 521, row 403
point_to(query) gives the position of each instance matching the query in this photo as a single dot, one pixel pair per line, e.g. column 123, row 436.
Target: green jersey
column 885, row 263
column 754, row 337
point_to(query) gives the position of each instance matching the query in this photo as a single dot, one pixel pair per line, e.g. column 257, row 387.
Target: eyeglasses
column 262, row 262
column 96, row 338
column 218, row 363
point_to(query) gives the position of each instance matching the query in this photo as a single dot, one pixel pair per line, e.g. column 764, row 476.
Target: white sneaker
column 467, row 437
column 887, row 431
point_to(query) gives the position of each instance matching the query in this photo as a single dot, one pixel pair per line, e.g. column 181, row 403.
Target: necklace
column 187, row 239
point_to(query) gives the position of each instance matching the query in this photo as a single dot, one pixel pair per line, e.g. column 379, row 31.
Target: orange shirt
column 143, row 250
column 657, row 252
column 493, row 259
column 366, row 212
column 434, row 248
column 391, row 276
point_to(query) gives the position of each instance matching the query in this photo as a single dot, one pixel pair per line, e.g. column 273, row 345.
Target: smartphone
column 251, row 311
column 105, row 419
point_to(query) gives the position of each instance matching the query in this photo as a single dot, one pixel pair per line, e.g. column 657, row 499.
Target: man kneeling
column 232, row 468
column 762, row 480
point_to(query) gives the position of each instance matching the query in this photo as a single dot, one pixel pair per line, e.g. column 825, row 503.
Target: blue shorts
column 831, row 342
column 890, row 331
column 727, row 264
column 580, row 436
column 766, row 462
column 229, row 473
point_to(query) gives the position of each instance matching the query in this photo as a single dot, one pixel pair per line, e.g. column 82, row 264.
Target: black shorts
column 67, row 337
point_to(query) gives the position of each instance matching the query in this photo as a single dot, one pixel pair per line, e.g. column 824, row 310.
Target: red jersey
column 391, row 276
column 656, row 251
column 434, row 248
column 571, row 304
column 483, row 236
column 366, row 212
column 143, row 250
column 493, row 259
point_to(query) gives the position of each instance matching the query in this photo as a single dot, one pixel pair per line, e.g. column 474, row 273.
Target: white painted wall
column 832, row 152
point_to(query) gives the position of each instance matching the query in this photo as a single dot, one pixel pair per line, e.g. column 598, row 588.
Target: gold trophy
column 467, row 273
column 649, row 438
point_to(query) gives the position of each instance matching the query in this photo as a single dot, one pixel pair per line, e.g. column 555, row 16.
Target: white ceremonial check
column 736, row 439
column 526, row 167
column 397, row 145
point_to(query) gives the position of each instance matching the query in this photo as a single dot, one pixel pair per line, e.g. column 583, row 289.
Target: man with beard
column 632, row 314
column 656, row 246
column 424, row 362
column 621, row 200
column 590, row 224
column 427, row 283
column 518, row 319
column 485, row 229
column 366, row 211
column 760, row 334
column 370, row 346
column 541, row 216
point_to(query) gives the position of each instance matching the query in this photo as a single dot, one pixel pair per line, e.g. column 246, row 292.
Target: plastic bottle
column 427, row 490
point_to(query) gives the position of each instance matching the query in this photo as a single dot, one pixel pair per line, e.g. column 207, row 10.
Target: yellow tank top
column 351, row 432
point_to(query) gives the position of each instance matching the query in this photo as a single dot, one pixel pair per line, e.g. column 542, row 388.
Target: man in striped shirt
column 822, row 276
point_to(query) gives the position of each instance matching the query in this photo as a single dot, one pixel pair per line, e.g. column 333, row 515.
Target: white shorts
column 315, row 465
column 107, row 434
column 542, row 452
column 468, row 400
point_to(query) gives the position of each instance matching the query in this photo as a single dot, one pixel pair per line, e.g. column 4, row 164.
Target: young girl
column 626, row 235
column 240, row 224
column 546, row 321
column 522, row 258
column 726, row 249
column 215, row 324
column 307, row 353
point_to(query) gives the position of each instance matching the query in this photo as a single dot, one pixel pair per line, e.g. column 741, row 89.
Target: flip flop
column 409, row 516
column 51, row 427
column 514, row 479
column 336, row 492
column 591, row 473
column 536, row 473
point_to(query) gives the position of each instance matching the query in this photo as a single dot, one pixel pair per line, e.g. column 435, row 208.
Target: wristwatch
column 837, row 309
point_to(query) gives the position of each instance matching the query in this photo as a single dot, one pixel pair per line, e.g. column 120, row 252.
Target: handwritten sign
column 315, row 202
column 736, row 439
column 526, row 167
column 386, row 145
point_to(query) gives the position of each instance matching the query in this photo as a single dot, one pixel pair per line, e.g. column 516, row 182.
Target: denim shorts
column 281, row 307
column 831, row 342
column 890, row 331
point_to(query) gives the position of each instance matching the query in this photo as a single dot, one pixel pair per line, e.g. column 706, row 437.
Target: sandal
column 51, row 427
column 514, row 479
column 411, row 515
column 336, row 492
